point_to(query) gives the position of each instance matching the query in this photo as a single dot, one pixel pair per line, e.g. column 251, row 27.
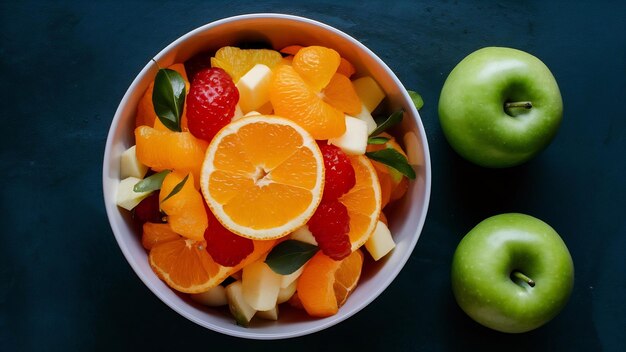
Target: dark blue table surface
column 64, row 66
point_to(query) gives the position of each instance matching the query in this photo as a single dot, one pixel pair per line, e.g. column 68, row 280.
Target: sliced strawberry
column 225, row 247
column 330, row 225
column 339, row 173
column 211, row 102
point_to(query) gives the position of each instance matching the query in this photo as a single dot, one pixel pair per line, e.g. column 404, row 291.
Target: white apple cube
column 369, row 92
column 254, row 88
column 285, row 293
column 130, row 165
column 260, row 285
column 354, row 140
column 380, row 242
column 214, row 297
column 303, row 234
column 366, row 116
column 237, row 305
column 126, row 197
column 287, row 280
column 271, row 314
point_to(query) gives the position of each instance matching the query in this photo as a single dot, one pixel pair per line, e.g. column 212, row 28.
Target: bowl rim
column 323, row 323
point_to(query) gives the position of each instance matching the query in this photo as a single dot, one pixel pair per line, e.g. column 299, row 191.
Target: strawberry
column 225, row 247
column 330, row 225
column 211, row 102
column 339, row 173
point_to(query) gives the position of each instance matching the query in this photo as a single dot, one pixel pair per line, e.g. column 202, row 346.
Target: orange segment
column 154, row 233
column 398, row 183
column 325, row 284
column 340, row 94
column 291, row 49
column 346, row 68
column 185, row 210
column 185, row 265
column 316, row 65
column 262, row 176
column 363, row 201
column 236, row 62
column 294, row 99
column 162, row 150
column 145, row 110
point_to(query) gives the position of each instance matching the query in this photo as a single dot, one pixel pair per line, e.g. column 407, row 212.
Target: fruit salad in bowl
column 266, row 176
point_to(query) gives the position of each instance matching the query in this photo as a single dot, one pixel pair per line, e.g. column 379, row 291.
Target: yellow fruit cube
column 260, row 285
column 130, row 165
column 254, row 88
column 126, row 197
column 369, row 91
column 354, row 140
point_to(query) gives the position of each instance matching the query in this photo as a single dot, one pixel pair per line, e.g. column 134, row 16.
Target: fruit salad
column 260, row 179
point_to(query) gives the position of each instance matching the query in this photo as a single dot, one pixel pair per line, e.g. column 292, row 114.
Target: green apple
column 512, row 273
column 499, row 107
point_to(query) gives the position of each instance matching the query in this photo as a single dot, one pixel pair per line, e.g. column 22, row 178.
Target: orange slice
column 263, row 176
column 185, row 265
column 185, row 210
column 363, row 201
column 236, row 62
column 325, row 284
column 292, row 98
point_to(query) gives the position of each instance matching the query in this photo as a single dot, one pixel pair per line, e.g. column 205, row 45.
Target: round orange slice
column 186, row 266
column 263, row 176
column 363, row 201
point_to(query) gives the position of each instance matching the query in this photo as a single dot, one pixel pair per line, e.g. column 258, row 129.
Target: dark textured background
column 64, row 67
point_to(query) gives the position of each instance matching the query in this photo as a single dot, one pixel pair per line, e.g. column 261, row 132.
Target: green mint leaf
column 393, row 158
column 391, row 121
column 417, row 99
column 377, row 140
column 288, row 256
column 152, row 182
column 168, row 98
column 176, row 188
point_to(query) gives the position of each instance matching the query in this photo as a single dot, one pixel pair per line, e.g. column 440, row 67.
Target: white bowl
column 408, row 215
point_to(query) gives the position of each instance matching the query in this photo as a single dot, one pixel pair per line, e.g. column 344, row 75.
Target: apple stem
column 519, row 104
column 524, row 278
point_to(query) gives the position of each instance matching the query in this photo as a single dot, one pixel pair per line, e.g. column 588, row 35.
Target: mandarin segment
column 340, row 94
column 185, row 210
column 294, row 99
column 325, row 284
column 163, row 150
column 316, row 65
